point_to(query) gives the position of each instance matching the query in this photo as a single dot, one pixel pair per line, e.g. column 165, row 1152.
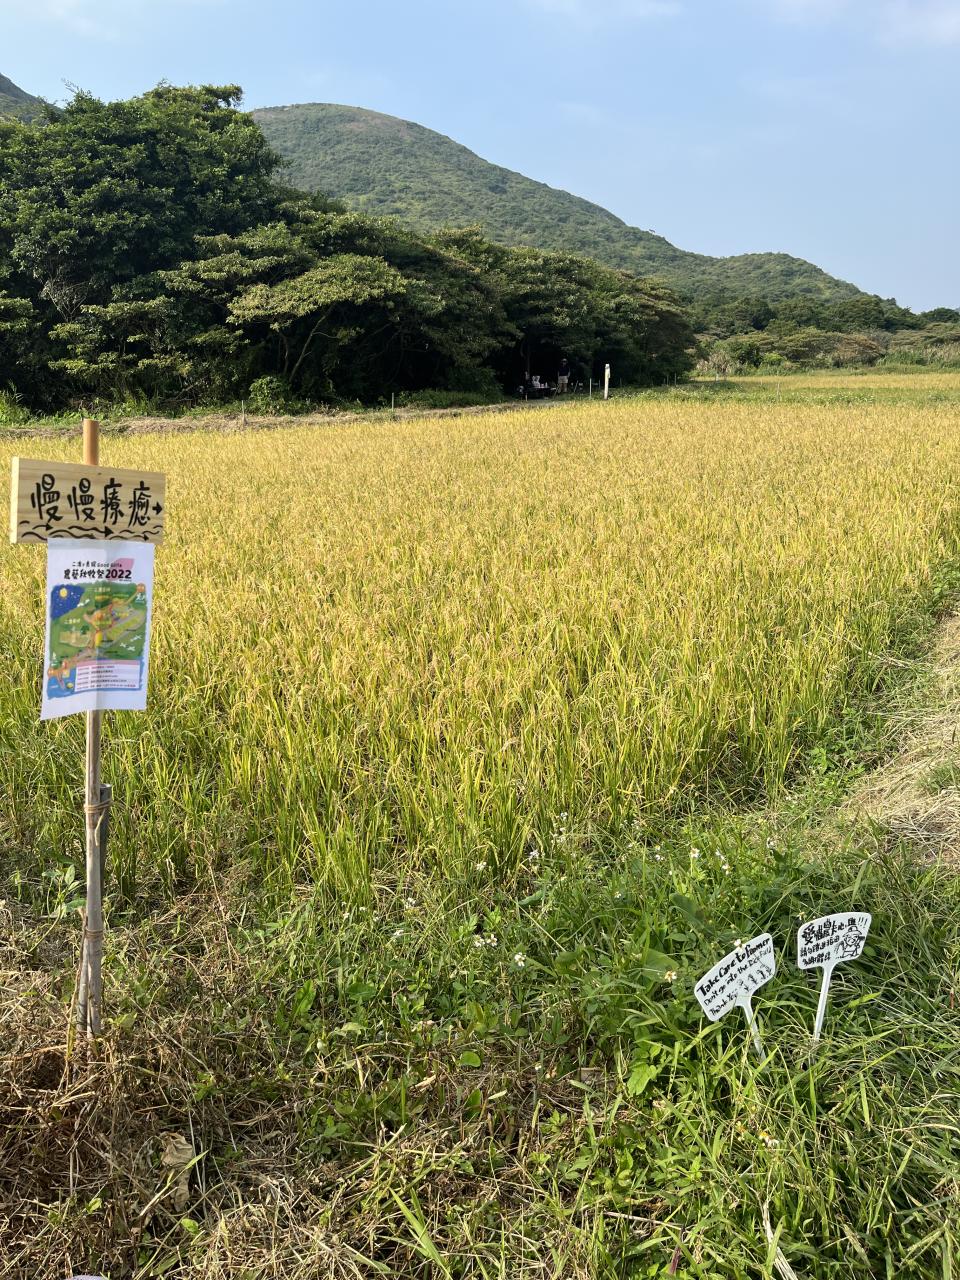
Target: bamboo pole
column 90, row 997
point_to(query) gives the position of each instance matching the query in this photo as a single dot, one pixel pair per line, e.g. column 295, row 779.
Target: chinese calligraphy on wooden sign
column 70, row 500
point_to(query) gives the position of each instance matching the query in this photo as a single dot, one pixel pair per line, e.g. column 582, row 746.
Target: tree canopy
column 148, row 252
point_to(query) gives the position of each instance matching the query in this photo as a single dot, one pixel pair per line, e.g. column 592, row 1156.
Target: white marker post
column 606, row 382
column 733, row 981
column 827, row 941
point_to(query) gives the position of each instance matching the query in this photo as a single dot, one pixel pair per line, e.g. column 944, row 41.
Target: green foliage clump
column 271, row 395
column 148, row 255
column 432, row 398
column 12, row 411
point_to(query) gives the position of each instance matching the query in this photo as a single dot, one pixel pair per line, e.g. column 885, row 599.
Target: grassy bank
column 471, row 745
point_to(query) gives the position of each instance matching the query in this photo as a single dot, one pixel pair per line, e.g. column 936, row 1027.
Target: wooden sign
column 734, row 979
column 70, row 500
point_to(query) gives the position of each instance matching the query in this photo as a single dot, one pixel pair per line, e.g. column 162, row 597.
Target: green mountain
column 15, row 102
column 382, row 165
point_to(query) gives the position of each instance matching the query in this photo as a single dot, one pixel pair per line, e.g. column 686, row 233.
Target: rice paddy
column 417, row 685
column 413, row 646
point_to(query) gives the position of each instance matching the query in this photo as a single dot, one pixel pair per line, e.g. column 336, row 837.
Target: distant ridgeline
column 383, row 165
column 15, row 102
column 176, row 265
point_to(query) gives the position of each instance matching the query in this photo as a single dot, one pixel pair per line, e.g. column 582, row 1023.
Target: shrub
column 434, row 398
column 12, row 411
column 272, row 395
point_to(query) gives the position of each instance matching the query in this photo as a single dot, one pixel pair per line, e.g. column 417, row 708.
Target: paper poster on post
column 97, row 648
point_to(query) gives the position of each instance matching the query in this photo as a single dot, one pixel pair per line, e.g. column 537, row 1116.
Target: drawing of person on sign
column 853, row 941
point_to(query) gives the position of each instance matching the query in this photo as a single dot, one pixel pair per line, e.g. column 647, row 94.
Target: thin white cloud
column 888, row 21
column 935, row 22
column 112, row 20
column 595, row 12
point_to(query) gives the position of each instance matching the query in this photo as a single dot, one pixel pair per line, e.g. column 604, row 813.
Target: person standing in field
column 563, row 376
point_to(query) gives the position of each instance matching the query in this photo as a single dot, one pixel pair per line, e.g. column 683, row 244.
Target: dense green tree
column 108, row 192
column 559, row 305
column 147, row 252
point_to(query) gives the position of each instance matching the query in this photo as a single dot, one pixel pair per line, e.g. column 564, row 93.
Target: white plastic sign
column 734, row 979
column 826, row 942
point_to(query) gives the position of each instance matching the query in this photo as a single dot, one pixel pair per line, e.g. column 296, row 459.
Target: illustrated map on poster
column 831, row 938
column 98, row 627
column 736, row 977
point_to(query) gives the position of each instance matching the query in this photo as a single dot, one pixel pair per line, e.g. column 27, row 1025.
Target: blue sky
column 824, row 128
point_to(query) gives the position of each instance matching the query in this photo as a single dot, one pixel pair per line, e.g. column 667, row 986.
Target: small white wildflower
column 694, row 852
column 658, row 857
column 738, row 944
column 617, row 897
column 656, row 848
column 670, row 975
column 725, row 867
column 492, row 940
column 519, row 959
column 409, row 903
column 397, row 933
column 480, row 866
column 534, row 855
column 478, row 943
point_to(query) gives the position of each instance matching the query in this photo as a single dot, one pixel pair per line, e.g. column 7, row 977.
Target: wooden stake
column 90, row 998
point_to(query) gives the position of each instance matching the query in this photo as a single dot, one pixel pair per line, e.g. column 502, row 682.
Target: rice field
column 472, row 743
column 414, row 645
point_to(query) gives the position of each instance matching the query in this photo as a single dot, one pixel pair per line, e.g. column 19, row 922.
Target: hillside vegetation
column 14, row 101
column 383, row 165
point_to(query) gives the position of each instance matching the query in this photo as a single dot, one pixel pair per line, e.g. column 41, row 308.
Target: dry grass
column 186, row 1143
column 916, row 794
